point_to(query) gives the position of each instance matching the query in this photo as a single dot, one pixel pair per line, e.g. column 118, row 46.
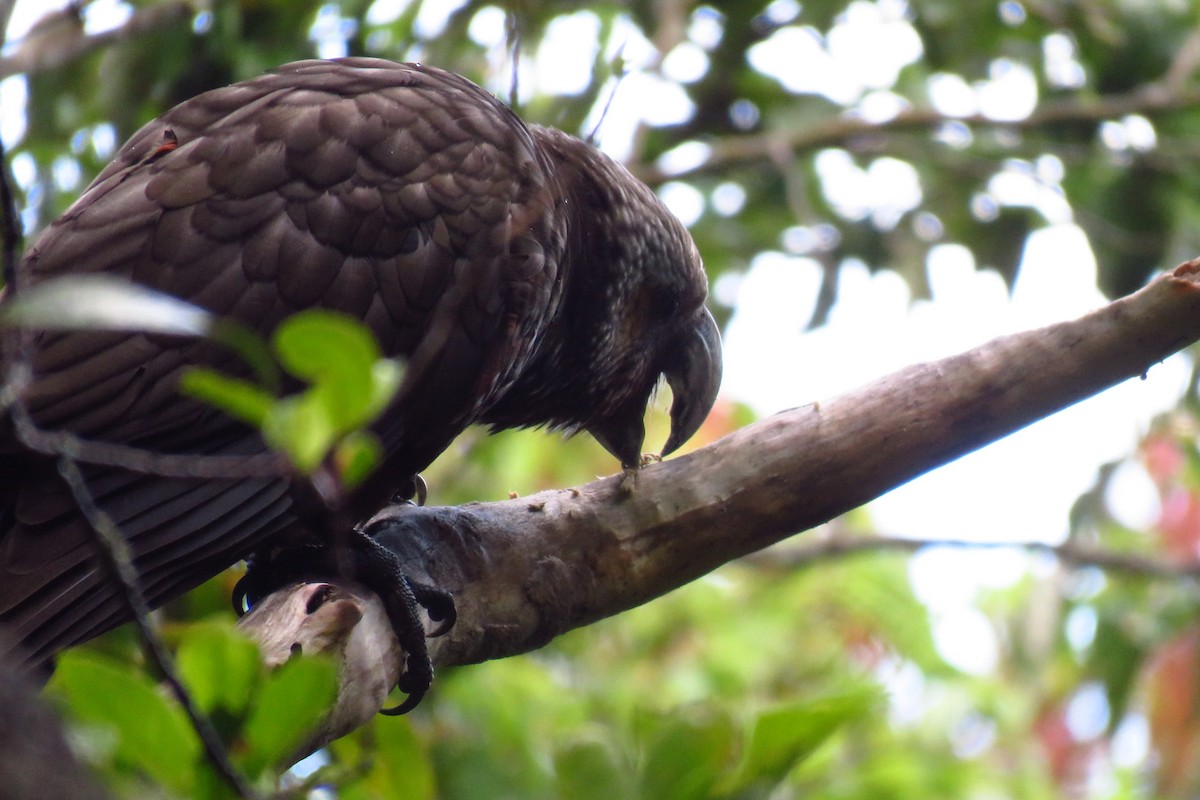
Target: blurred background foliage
column 777, row 677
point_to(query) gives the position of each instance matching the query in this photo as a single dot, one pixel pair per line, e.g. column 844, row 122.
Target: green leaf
column 251, row 348
column 153, row 734
column 103, row 302
column 356, row 455
column 400, row 762
column 291, row 701
column 351, row 385
column 1116, row 658
column 238, row 398
column 337, row 354
column 386, row 376
column 591, row 770
column 685, row 759
column 220, row 666
column 299, row 427
column 784, row 736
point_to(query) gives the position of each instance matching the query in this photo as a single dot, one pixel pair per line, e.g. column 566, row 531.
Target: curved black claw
column 414, row 491
column 267, row 572
column 438, row 604
column 417, row 673
column 242, row 592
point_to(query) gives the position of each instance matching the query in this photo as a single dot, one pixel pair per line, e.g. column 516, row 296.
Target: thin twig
column 34, row 56
column 513, row 34
column 111, row 545
column 11, row 241
column 6, row 9
column 136, row 459
column 620, row 74
column 1076, row 554
column 1183, row 64
column 114, row 552
column 332, row 775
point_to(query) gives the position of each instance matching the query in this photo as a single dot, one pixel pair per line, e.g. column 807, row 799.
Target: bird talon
column 414, row 492
column 410, row 702
column 268, row 571
column 241, row 595
column 414, row 684
column 438, row 604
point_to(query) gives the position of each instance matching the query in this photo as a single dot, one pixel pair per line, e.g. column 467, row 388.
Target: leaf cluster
column 141, row 739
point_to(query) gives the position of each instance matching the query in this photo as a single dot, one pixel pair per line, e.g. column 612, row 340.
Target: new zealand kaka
column 525, row 279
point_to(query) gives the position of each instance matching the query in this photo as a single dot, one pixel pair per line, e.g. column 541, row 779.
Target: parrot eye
column 664, row 303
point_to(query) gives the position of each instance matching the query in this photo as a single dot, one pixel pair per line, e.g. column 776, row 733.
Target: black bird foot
column 417, row 675
column 367, row 561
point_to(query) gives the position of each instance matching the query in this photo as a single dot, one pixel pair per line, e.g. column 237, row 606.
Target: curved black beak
column 694, row 375
column 692, row 367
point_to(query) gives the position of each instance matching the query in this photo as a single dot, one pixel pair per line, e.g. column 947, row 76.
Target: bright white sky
column 1019, row 489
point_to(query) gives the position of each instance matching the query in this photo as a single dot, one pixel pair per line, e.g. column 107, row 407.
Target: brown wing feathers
column 368, row 191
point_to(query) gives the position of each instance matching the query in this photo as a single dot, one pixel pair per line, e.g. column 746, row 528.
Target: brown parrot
column 524, row 278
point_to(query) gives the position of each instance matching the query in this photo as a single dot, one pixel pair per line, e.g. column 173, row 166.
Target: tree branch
column 524, row 571
column 843, row 544
column 62, row 40
column 839, row 131
column 345, row 621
